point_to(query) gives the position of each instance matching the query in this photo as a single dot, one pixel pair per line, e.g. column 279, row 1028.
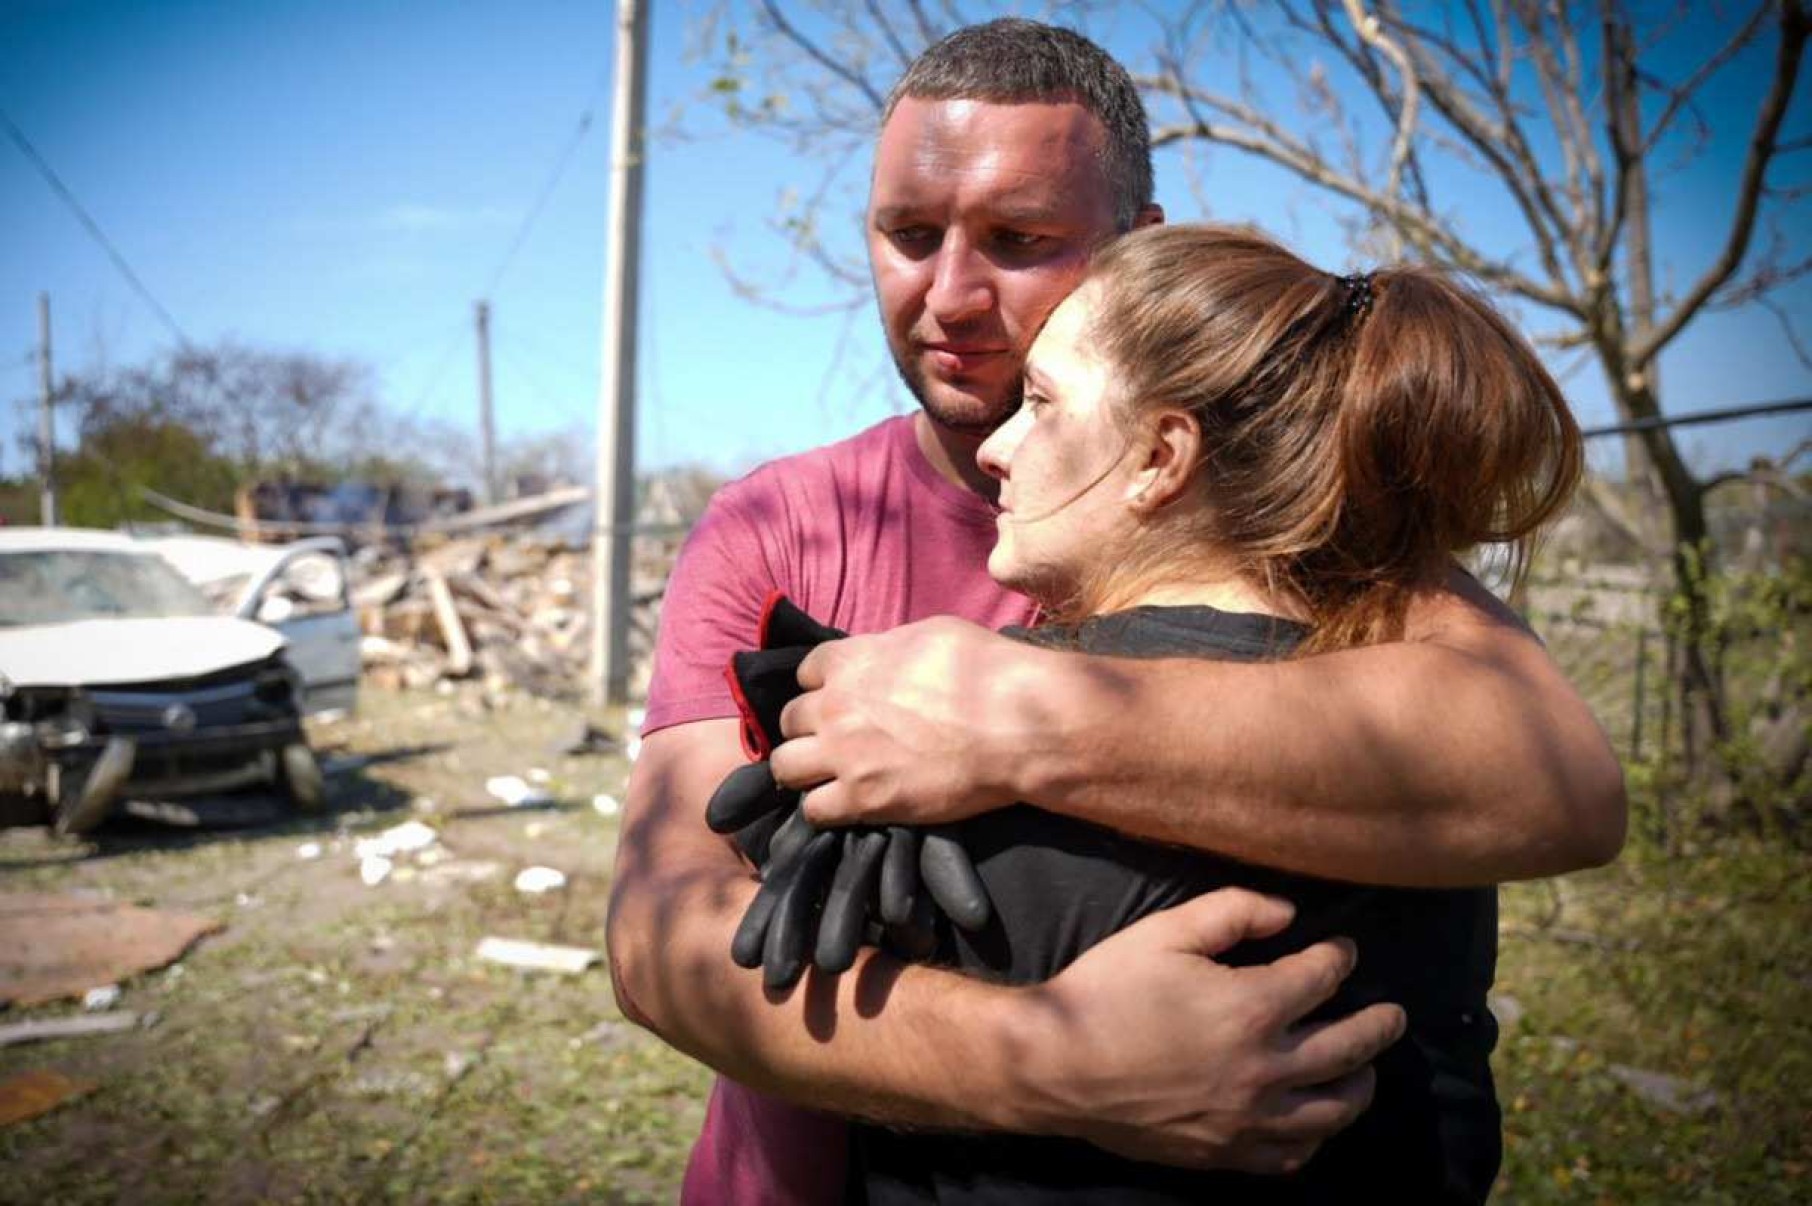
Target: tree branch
column 1499, row 141
column 1794, row 26
column 791, row 33
column 1422, row 228
column 1681, row 95
column 1368, row 28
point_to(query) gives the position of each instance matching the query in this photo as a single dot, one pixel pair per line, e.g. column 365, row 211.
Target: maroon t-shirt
column 864, row 535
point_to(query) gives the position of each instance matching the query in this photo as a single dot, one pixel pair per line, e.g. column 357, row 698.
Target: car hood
column 130, row 651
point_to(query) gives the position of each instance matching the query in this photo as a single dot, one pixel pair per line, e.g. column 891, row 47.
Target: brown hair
column 1357, row 431
column 1012, row 61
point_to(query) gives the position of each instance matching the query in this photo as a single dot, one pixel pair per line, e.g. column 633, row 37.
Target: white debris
column 308, row 851
column 539, row 956
column 1670, row 1093
column 605, row 805
column 516, row 791
column 104, row 997
column 374, row 869
column 538, row 774
column 406, row 838
column 536, row 880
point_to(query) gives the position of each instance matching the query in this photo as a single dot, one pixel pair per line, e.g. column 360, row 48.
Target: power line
column 69, row 198
column 1699, row 417
column 547, row 190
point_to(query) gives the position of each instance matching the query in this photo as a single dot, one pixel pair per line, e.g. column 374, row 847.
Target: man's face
column 981, row 218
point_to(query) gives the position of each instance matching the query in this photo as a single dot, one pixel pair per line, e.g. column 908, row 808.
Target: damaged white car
column 118, row 679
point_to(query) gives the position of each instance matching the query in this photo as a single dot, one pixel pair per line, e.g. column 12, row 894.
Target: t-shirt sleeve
column 711, row 609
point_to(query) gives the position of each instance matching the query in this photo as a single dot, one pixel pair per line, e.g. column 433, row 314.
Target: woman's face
column 1064, row 464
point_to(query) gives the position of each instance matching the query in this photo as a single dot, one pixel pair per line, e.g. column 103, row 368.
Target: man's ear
column 1150, row 215
column 1173, row 449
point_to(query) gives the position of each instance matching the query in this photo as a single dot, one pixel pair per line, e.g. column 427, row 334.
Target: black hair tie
column 1358, row 294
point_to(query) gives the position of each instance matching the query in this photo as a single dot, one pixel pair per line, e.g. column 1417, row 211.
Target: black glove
column 822, row 890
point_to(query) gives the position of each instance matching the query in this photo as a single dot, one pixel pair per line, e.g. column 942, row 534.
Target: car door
column 306, row 596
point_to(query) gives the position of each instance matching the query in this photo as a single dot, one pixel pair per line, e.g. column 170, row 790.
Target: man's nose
column 963, row 285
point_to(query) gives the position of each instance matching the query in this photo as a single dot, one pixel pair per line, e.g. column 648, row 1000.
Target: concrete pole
column 47, row 430
column 487, row 427
column 613, row 501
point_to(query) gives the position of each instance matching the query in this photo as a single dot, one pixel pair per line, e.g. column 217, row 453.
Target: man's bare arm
column 1215, row 1072
column 1458, row 756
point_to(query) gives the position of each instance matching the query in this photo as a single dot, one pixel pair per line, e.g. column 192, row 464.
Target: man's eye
column 1020, row 240
column 910, row 236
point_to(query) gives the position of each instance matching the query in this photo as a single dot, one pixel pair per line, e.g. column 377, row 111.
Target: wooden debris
column 80, row 1026
column 537, row 956
column 35, row 1092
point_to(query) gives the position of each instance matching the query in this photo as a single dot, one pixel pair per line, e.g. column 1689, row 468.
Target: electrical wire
column 94, row 229
column 564, row 160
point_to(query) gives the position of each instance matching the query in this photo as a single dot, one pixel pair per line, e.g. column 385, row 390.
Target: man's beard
column 968, row 423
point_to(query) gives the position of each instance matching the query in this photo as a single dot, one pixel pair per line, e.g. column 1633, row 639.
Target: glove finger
column 752, row 931
column 846, row 906
column 916, row 937
column 951, row 879
column 790, row 839
column 748, row 792
column 899, row 874
column 755, row 838
column 794, row 925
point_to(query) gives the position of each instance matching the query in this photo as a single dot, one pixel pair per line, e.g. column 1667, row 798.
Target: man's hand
column 891, row 728
column 1163, row 1054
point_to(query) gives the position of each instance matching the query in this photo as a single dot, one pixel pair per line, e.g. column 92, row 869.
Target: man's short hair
column 1013, row 61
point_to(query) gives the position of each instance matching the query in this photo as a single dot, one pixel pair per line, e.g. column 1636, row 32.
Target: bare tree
column 1565, row 113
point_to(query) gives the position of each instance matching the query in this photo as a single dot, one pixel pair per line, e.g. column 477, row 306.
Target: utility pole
column 613, row 499
column 47, row 429
column 487, row 427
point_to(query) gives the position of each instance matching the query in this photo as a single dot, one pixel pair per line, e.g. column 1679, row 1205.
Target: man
column 1008, row 153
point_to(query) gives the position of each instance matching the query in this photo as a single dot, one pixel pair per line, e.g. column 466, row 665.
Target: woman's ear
column 1173, row 448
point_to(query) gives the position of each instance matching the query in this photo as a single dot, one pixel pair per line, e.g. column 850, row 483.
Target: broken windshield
column 54, row 586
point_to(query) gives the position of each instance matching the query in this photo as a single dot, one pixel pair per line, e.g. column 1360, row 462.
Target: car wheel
column 303, row 781
column 85, row 802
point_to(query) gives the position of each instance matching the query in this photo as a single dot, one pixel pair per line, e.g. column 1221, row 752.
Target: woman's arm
column 1458, row 756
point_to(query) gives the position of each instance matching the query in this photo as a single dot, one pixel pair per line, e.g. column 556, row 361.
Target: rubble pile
column 511, row 612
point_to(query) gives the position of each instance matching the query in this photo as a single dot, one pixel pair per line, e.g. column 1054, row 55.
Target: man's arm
column 1458, row 756
column 1145, row 1045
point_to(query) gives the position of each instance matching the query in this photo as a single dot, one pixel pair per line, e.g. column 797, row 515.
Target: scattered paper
column 104, row 997
column 605, row 805
column 308, row 851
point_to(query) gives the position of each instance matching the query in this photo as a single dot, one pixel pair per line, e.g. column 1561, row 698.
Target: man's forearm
column 852, row 1044
column 1418, row 764
column 936, row 1055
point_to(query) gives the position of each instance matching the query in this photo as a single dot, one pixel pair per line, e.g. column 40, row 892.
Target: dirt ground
column 340, row 1040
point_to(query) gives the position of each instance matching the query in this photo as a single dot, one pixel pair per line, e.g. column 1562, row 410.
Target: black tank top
column 1061, row 885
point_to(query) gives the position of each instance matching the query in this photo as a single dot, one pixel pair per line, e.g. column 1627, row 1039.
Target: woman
column 1226, row 453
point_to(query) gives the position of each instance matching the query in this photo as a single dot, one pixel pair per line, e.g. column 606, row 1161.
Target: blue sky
column 344, row 178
